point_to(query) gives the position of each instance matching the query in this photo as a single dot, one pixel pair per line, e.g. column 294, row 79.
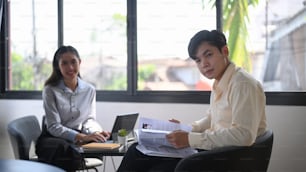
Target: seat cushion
column 93, row 162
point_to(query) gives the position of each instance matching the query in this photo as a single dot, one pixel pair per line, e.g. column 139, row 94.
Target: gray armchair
column 230, row 159
column 25, row 131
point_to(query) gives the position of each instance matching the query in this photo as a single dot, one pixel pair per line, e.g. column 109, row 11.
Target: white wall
column 287, row 122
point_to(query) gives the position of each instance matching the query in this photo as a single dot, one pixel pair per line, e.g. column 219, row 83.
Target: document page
column 155, row 124
column 165, row 151
column 151, row 136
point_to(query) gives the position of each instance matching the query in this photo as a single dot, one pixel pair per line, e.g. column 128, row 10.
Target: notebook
column 126, row 121
column 102, row 146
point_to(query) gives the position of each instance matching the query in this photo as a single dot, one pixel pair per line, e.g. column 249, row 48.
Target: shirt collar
column 222, row 84
column 81, row 85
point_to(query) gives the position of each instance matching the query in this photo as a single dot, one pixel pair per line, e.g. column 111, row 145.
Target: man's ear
column 225, row 50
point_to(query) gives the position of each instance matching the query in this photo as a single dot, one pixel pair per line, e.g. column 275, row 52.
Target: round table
column 13, row 165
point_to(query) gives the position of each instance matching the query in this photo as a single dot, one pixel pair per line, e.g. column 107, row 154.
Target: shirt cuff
column 194, row 139
column 71, row 136
column 199, row 141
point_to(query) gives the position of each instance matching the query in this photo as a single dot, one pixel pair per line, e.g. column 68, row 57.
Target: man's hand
column 178, row 138
column 174, row 121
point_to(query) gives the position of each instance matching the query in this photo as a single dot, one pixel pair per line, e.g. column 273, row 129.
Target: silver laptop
column 125, row 121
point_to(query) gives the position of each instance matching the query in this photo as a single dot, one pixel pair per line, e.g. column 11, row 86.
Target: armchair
column 233, row 158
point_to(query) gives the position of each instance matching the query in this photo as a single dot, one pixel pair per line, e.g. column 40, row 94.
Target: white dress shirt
column 67, row 110
column 236, row 115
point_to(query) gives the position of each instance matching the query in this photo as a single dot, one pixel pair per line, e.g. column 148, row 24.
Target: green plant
column 122, row 132
column 235, row 21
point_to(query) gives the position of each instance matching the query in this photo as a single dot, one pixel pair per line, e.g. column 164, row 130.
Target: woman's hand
column 95, row 137
column 106, row 134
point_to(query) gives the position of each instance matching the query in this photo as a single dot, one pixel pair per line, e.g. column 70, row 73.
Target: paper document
column 165, row 151
column 151, row 136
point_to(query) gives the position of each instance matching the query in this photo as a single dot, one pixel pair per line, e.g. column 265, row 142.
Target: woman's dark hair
column 214, row 38
column 56, row 74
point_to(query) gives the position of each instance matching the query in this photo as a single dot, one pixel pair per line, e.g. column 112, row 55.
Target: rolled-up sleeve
column 202, row 124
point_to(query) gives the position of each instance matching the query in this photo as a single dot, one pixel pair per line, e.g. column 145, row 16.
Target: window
column 98, row 30
column 32, row 40
column 276, row 44
column 164, row 28
column 137, row 50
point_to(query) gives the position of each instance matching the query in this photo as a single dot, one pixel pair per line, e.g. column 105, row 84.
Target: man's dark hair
column 214, row 38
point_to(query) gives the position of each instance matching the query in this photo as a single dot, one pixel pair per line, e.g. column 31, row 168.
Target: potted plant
column 122, row 132
column 122, row 136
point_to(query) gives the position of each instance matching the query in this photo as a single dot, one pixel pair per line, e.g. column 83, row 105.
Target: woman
column 69, row 103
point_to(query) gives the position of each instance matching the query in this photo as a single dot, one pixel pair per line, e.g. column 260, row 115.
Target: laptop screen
column 126, row 121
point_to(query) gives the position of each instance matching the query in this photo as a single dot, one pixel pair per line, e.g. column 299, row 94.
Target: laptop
column 125, row 121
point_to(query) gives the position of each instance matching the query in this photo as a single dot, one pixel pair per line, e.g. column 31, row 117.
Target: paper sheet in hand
column 152, row 141
column 103, row 146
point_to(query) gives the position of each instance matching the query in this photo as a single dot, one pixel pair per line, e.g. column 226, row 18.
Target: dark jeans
column 135, row 161
column 58, row 152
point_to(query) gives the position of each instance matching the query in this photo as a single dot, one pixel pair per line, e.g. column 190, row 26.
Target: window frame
column 131, row 94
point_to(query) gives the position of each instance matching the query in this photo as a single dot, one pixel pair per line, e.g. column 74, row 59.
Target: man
column 236, row 115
